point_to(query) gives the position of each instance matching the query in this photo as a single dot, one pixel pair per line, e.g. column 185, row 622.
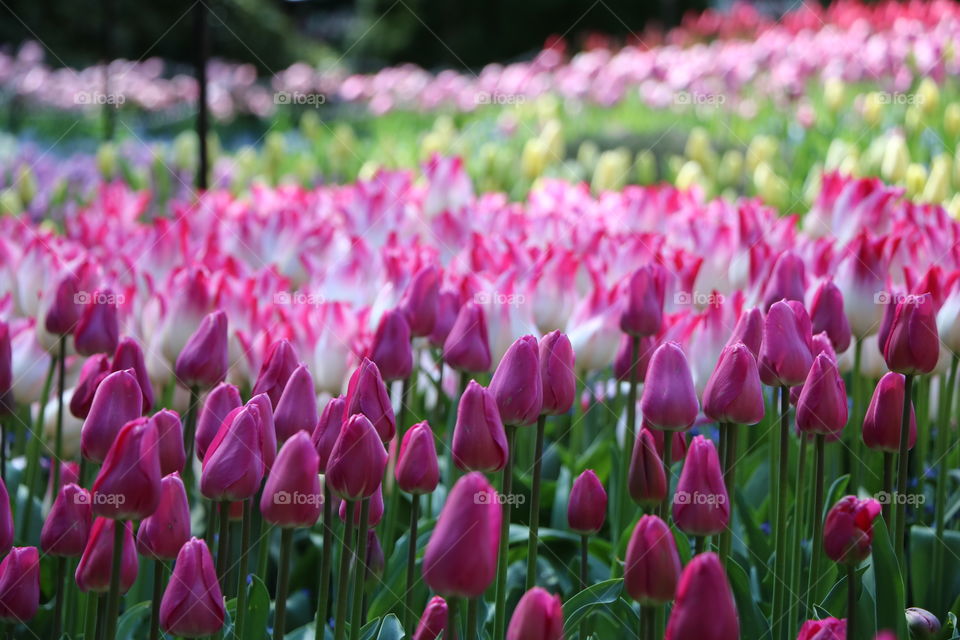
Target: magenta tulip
column 587, row 505
column 128, row 484
column 646, row 479
column 516, row 385
column 166, row 530
column 117, row 401
column 538, row 616
column 827, row 315
column 367, row 394
column 467, row 347
column 557, row 373
column 170, row 437
column 701, row 506
column 203, row 361
column 652, row 568
column 417, row 468
column 433, row 622
column 20, row 585
column 822, row 407
column 66, row 309
column 882, row 422
column 92, row 373
column 233, row 464
column 357, row 460
column 262, row 410
column 826, row 629
column 669, row 400
column 328, row 428
column 786, row 351
column 848, row 530
column 192, row 604
column 749, row 331
column 129, row 355
column 703, row 588
column 479, row 439
column 643, row 311
column 221, row 400
column 786, row 281
column 912, row 345
column 279, row 365
column 297, row 407
column 448, row 305
column 292, row 496
column 97, row 331
column 419, row 303
column 66, row 528
column 93, row 571
column 391, row 346
column 376, row 510
column 733, row 393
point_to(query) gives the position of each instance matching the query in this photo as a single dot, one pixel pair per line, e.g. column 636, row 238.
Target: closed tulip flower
column 733, row 392
column 98, row 329
column 67, row 526
column 922, row 624
column 669, row 399
column 328, row 428
column 479, row 439
column 6, row 520
column 65, row 310
column 786, row 282
column 467, row 347
column 292, row 495
column 861, row 275
column 826, row 629
column 92, row 373
column 646, row 479
column 749, row 331
column 163, row 533
column 129, row 355
column 233, row 464
column 461, row 556
column 262, row 410
column 587, row 505
column 279, row 365
column 703, row 589
column 433, row 622
column 367, row 394
column 6, row 370
column 678, row 448
column 848, row 530
column 20, row 584
column 701, row 506
column 448, row 306
column 417, row 468
column 516, row 385
column 912, row 345
column 822, row 407
column 826, row 314
column 192, row 604
column 376, row 510
column 643, row 312
column 117, row 401
column 357, row 461
column 203, row 361
column 419, row 301
column 128, row 485
column 297, row 408
column 223, row 399
column 93, row 571
column 391, row 349
column 538, row 616
column 652, row 568
column 170, row 437
column 785, row 354
column 557, row 373
column 881, row 424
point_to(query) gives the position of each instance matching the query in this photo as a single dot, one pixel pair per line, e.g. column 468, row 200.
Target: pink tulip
column 357, row 461
column 701, row 506
column 297, row 407
column 557, row 373
column 117, row 401
column 448, row 306
column 749, row 331
column 279, row 365
column 826, row 629
column 786, row 281
column 173, row 457
column 467, row 347
column 67, row 526
column 479, row 439
column 882, row 422
column 433, row 622
column 93, row 571
column 219, row 402
column 168, row 528
column 785, row 355
column 391, row 349
column 669, row 399
column 420, row 301
column 92, row 373
column 20, row 585
column 129, row 356
column 647, row 479
column 861, row 275
column 6, row 520
column 643, row 311
column 65, row 310
column 192, row 604
column 291, row 496
column 203, row 361
column 6, row 369
column 822, row 407
column 538, row 616
column 587, row 505
column 98, row 329
column 652, row 568
column 262, row 410
column 922, row 624
column 128, row 484
column 233, row 463
column 516, row 385
column 826, row 314
column 328, row 428
column 417, row 468
column 373, row 517
column 848, row 530
column 367, row 394
column 912, row 345
column 703, row 588
column 733, row 392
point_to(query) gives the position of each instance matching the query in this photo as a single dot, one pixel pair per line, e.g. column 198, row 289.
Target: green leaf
column 836, row 491
column 887, row 583
column 590, row 598
column 923, row 542
column 390, row 629
column 753, row 624
column 258, row 608
column 129, row 626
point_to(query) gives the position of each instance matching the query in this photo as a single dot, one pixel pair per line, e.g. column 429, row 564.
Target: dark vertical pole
column 202, row 38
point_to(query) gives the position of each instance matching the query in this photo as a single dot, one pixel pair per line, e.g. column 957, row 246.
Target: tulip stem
column 411, row 560
column 799, row 513
column 472, row 605
column 223, row 544
column 3, row 443
column 780, row 564
column 323, row 602
column 283, row 580
column 33, row 454
column 728, row 433
column 189, row 436
column 245, row 527
column 453, row 608
column 667, row 464
column 887, row 487
column 506, row 487
column 532, row 544
column 901, row 503
column 158, row 571
column 58, row 438
column 940, row 498
column 817, row 520
column 628, row 444
column 360, row 566
column 58, row 605
column 101, row 600
column 851, row 600
column 343, row 581
column 856, row 463
column 113, row 610
column 584, row 570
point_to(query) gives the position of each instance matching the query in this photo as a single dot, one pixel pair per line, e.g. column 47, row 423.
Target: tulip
column 467, row 347
column 297, row 407
column 367, row 394
column 6, row 379
column 173, row 457
column 479, row 439
column 848, row 530
column 461, row 557
column 129, row 356
column 587, row 505
column 97, row 330
column 166, row 530
column 291, row 496
column 881, row 424
column 749, row 331
column 643, row 312
column 516, row 385
column 538, row 616
column 324, row 437
column 826, row 629
column 912, row 345
column 820, row 344
column 733, row 392
column 6, row 520
column 20, row 585
column 646, row 480
column 219, row 402
column 376, row 510
column 652, row 568
column 861, row 276
column 626, row 361
column 203, row 361
column 67, row 526
column 785, row 354
column 417, row 469
column 419, row 303
column 669, row 400
column 92, row 373
column 678, row 450
column 65, row 309
column 328, row 428
column 276, row 370
column 701, row 506
column 922, row 624
column 391, row 346
column 433, row 622
column 357, row 460
column 786, row 282
column 703, row 587
column 233, row 463
column 192, row 605
column 557, row 373
column 448, row 306
column 822, row 407
column 93, row 572
column 826, row 314
column 117, row 401
column 128, row 484
column 262, row 410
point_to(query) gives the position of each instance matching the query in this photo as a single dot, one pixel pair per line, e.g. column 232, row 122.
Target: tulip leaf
column 390, row 629
column 949, row 629
column 757, row 541
column 131, row 623
column 836, row 491
column 923, row 543
column 558, row 511
column 369, row 630
column 258, row 608
column 583, row 603
column 753, row 624
column 887, row 582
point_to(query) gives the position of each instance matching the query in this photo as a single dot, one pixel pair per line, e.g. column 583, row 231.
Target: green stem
column 499, row 620
column 393, row 499
column 472, row 605
column 817, row 519
column 851, row 601
column 667, row 468
column 245, row 528
column 411, row 561
column 158, row 570
column 901, row 503
column 223, row 544
column 102, row 601
column 796, row 569
column 343, row 582
column 887, row 488
column 453, row 609
column 323, row 601
column 584, row 570
column 533, row 543
column 190, row 436
column 698, row 544
column 360, row 564
column 856, row 464
column 58, row 438
column 940, row 499
column 90, row 616
column 33, row 454
column 782, row 482
column 58, row 605
column 283, row 582
column 113, row 611
column 728, row 432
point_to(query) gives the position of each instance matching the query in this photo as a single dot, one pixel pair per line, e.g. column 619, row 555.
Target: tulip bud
column 168, row 528
column 65, row 311
column 826, row 629
column 701, row 506
column 820, row 344
column 6, row 370
column 733, row 392
column 703, row 588
column 327, row 429
column 292, row 496
column 92, row 373
column 826, row 314
column 848, row 530
column 625, row 360
column 367, row 394
column 912, row 345
column 822, row 407
column 117, row 401
column 479, row 439
column 516, row 385
column 98, row 329
column 297, row 407
column 67, row 526
column 6, row 520
column 419, row 301
column 170, row 438
column 357, row 461
column 922, row 624
column 785, row 354
column 375, row 513
column 93, row 571
column 646, row 478
column 587, row 506
column 669, row 399
column 391, row 347
column 882, row 422
column 433, row 622
column 233, row 463
column 448, row 306
column 275, row 371
column 538, row 616
column 129, row 356
column 20, row 585
column 786, row 281
column 266, row 430
column 417, row 468
column 461, row 556
column 219, row 402
column 192, row 604
column 128, row 484
column 557, row 373
column 652, row 567
column 203, row 361
column 643, row 313
column 467, row 347
column 749, row 331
